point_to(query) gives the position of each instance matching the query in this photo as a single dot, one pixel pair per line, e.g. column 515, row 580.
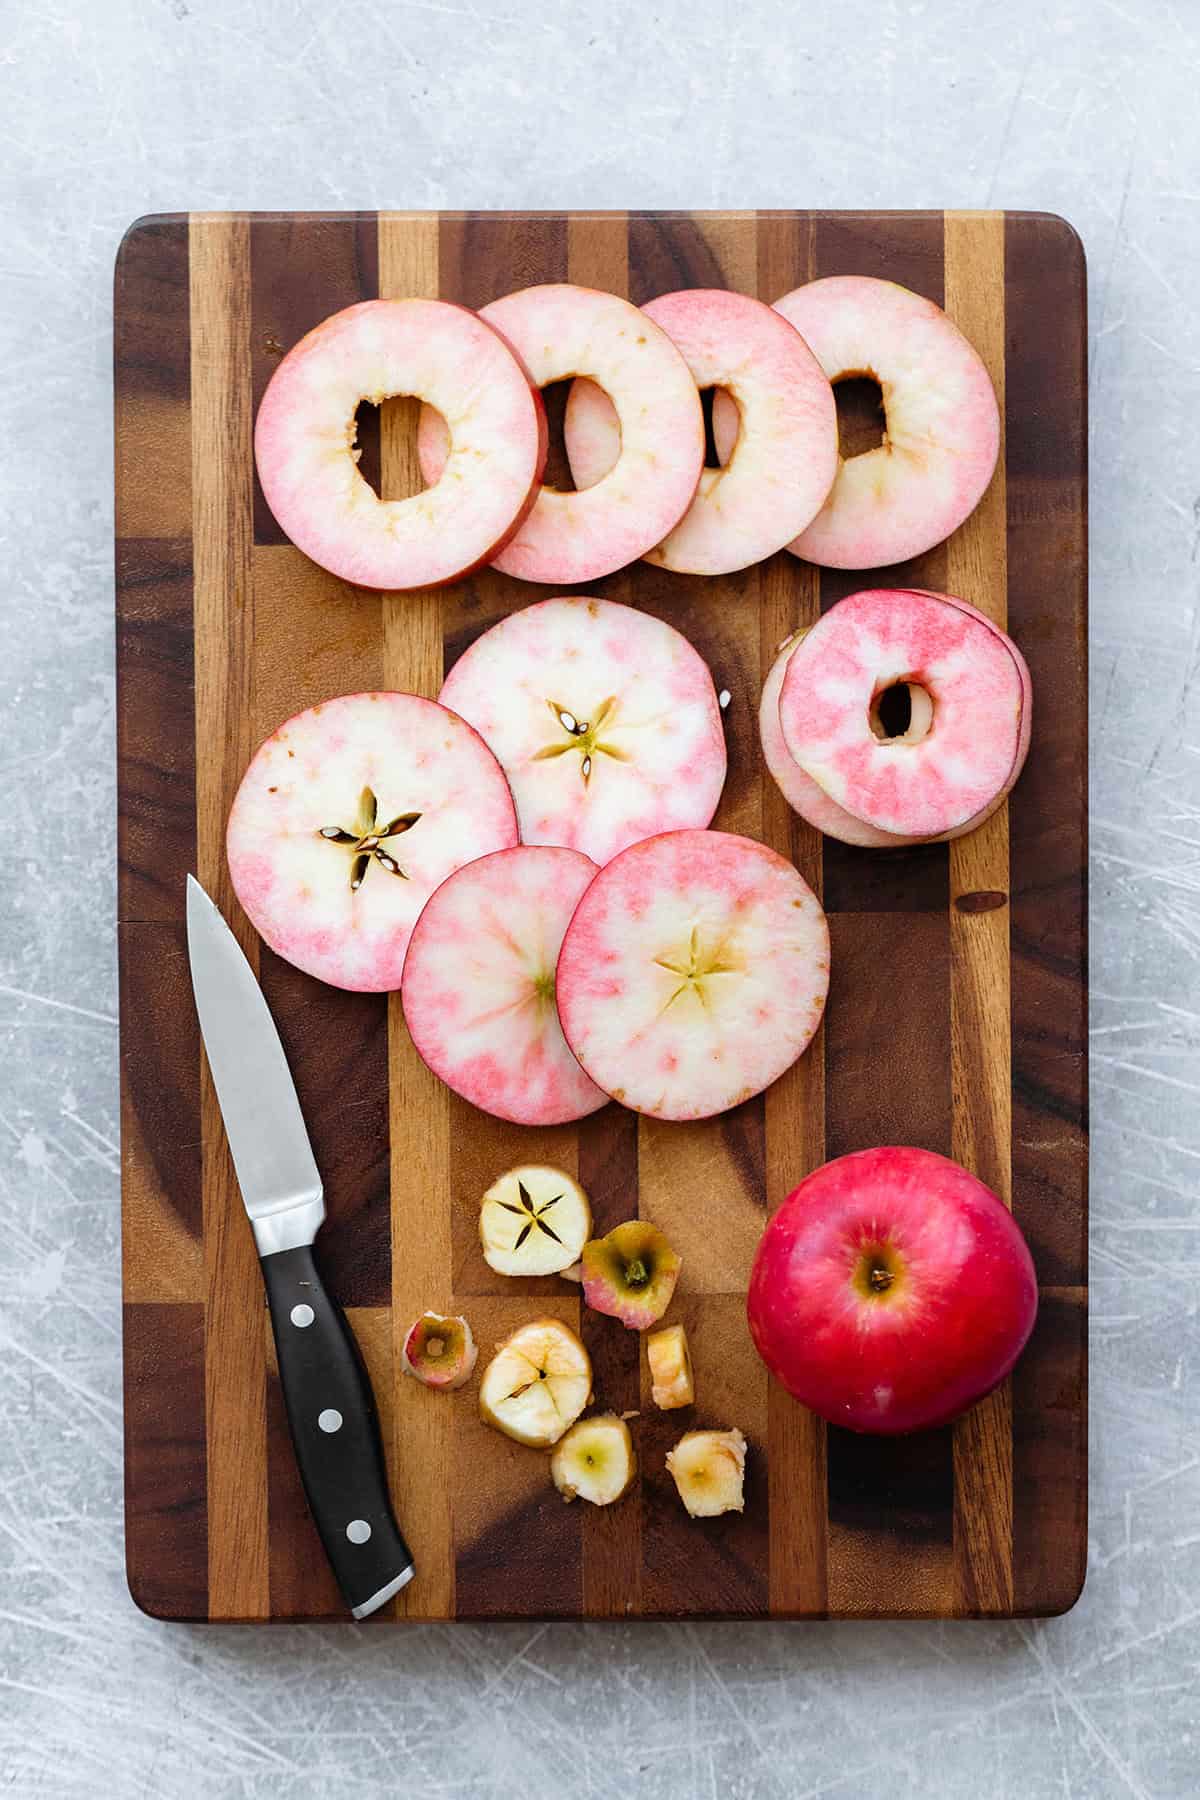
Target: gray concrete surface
column 110, row 109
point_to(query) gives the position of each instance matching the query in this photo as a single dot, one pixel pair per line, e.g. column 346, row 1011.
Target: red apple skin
column 957, row 1313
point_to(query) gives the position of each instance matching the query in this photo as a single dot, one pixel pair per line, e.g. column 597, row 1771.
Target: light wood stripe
column 980, row 1005
column 222, row 534
column 419, row 1115
column 790, row 596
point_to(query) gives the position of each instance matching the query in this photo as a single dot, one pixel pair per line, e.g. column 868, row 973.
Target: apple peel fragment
column 439, row 1352
column 630, row 1274
column 479, row 986
column 693, row 973
column 604, row 719
column 304, row 443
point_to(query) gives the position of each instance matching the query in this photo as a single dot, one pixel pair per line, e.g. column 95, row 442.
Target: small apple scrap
column 537, row 1384
column 630, row 1274
column 709, row 1470
column 440, row 1352
column 672, row 1383
column 595, row 1460
column 534, row 1220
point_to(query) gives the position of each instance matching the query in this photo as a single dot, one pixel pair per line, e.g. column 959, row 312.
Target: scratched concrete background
column 115, row 108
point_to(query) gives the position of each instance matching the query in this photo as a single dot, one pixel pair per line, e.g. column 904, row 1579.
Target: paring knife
column 330, row 1406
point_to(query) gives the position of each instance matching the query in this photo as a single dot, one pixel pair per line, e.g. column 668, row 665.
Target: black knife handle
column 335, row 1430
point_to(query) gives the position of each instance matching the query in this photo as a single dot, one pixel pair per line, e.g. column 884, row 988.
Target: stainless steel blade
column 276, row 1171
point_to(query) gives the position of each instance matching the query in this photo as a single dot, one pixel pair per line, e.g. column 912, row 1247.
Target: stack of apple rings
column 634, row 433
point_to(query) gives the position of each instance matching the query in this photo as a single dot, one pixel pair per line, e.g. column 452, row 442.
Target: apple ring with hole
column 963, row 733
column 693, row 973
column 304, row 443
column 347, row 819
column 782, row 459
column 942, row 423
column 479, row 985
column 561, row 331
column 604, row 719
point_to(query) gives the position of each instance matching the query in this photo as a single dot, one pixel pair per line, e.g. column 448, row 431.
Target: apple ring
column 942, row 432
column 970, row 712
column 307, row 461
column 782, row 459
column 560, row 331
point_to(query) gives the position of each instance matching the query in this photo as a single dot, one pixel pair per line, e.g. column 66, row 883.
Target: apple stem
column 881, row 1279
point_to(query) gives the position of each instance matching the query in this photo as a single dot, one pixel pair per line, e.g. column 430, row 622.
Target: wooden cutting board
column 955, row 1021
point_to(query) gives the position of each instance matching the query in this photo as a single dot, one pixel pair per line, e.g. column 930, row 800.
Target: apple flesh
column 693, row 973
column 604, row 719
column 304, row 443
column 348, row 818
column 559, row 330
column 968, row 731
column 479, row 986
column 942, row 432
column 782, row 460
column 891, row 1291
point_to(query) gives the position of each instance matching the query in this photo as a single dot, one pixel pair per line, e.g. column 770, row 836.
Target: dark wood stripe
column 156, row 761
column 1045, row 285
column 162, row 1205
column 235, row 1366
column 152, row 381
column 166, row 1516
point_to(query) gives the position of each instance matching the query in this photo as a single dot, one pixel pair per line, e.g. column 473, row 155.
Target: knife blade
column 327, row 1393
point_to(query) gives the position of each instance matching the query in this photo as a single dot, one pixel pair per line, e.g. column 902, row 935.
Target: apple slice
column 304, row 443
column 560, row 331
column 693, row 973
column 604, row 719
column 942, row 432
column 348, row 818
column 969, row 711
column 479, row 986
column 595, row 1461
column 798, row 789
column 672, row 1383
column 537, row 1384
column 783, row 459
column 534, row 1221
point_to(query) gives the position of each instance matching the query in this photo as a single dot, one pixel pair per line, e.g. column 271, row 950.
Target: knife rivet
column 358, row 1531
column 330, row 1419
column 302, row 1316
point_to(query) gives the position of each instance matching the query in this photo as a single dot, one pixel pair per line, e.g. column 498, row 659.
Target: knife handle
column 335, row 1430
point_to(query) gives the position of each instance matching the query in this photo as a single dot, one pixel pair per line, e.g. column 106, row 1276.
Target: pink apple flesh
column 693, row 973
column 891, row 1291
column 782, row 459
column 970, row 719
column 479, row 985
column 560, row 331
column 304, row 443
column 942, row 422
column 348, row 818
column 605, row 721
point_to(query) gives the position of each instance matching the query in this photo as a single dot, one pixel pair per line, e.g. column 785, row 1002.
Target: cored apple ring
column 942, row 432
column 969, row 699
column 560, row 331
column 782, row 458
column 304, row 443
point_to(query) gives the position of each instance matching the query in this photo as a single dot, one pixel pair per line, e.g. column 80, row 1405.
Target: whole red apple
column 891, row 1291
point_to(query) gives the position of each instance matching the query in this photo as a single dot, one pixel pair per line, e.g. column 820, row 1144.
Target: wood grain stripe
column 980, row 1012
column 790, row 596
column 418, row 1108
column 222, row 520
column 887, row 1047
